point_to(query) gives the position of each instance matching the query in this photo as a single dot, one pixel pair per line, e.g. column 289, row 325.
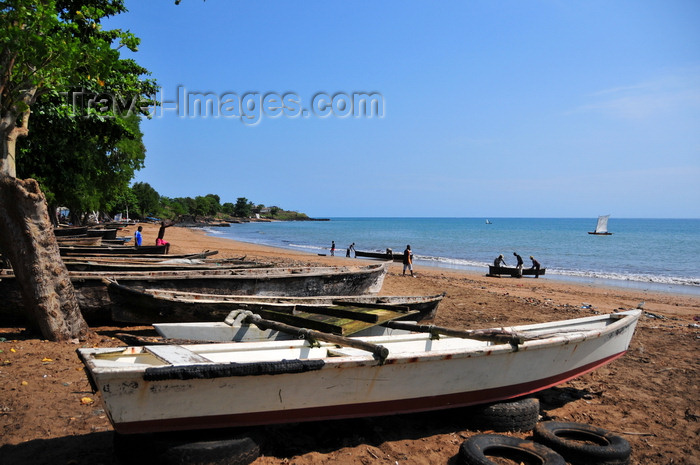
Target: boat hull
column 96, row 301
column 259, row 383
column 512, row 271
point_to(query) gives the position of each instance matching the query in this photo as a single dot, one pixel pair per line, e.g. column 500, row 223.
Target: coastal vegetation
column 50, row 52
column 146, row 202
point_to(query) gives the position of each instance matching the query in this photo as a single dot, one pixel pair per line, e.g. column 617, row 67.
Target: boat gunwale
column 623, row 320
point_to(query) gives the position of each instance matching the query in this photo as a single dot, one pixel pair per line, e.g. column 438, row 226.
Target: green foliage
column 147, row 199
column 243, row 208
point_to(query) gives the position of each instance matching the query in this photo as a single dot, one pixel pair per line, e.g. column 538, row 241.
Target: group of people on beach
column 407, row 256
column 138, row 236
column 519, row 265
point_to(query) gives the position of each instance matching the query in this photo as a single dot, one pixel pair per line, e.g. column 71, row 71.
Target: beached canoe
column 397, row 257
column 147, row 306
column 96, row 300
column 512, row 271
column 235, row 328
column 79, row 241
column 186, row 387
column 70, row 230
column 112, row 249
column 88, row 264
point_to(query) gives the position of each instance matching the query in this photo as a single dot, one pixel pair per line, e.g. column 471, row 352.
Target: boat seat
column 176, row 355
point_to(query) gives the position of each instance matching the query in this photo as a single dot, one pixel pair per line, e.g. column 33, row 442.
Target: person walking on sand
column 535, row 266
column 519, row 265
column 408, row 260
column 332, row 248
column 161, row 234
column 138, row 237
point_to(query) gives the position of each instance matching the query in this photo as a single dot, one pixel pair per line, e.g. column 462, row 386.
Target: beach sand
column 48, row 413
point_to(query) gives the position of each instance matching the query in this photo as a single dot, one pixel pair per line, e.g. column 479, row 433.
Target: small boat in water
column 397, row 257
column 186, row 387
column 601, row 228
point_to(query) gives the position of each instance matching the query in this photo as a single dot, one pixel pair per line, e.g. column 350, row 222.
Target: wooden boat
column 64, row 241
column 70, row 230
column 187, row 387
column 513, row 271
column 104, row 233
column 601, row 228
column 96, row 300
column 235, row 328
column 397, row 257
column 147, row 306
column 113, row 250
column 88, row 264
column 141, row 256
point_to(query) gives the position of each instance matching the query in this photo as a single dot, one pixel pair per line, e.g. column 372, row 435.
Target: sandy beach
column 48, row 413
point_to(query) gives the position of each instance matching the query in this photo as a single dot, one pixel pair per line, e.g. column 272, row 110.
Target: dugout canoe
column 397, row 257
column 186, row 387
column 96, row 300
column 113, row 249
column 147, row 306
column 512, row 271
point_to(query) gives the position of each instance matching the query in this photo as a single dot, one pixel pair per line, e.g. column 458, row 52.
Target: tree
column 47, row 47
column 242, row 208
column 147, row 199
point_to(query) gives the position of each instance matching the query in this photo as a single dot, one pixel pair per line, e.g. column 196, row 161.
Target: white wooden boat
column 235, row 329
column 185, row 387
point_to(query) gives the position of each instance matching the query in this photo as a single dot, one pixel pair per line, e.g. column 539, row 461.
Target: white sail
column 602, row 226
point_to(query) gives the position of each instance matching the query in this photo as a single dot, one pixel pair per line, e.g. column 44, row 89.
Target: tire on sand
column 165, row 449
column 509, row 416
column 583, row 444
column 477, row 449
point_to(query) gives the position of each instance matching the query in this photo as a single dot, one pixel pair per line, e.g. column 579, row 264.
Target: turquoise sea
column 658, row 254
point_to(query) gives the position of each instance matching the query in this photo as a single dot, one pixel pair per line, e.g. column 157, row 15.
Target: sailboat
column 601, row 228
column 488, row 221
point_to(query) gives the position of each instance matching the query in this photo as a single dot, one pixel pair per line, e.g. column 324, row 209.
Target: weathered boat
column 70, row 230
column 83, row 240
column 236, row 328
column 104, row 233
column 513, row 271
column 88, row 264
column 146, row 306
column 186, row 387
column 112, row 249
column 397, row 257
column 142, row 256
column 96, row 300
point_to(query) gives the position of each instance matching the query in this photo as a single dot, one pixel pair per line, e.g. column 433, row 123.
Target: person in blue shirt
column 138, row 237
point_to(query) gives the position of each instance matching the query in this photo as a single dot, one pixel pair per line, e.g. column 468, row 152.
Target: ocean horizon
column 653, row 254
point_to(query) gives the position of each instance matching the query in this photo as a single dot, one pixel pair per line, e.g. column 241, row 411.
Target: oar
column 380, row 352
column 494, row 335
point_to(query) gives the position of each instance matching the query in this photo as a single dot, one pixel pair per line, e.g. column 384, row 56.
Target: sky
column 479, row 108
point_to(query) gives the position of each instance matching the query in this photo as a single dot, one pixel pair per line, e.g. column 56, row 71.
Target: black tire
column 475, row 451
column 175, row 449
column 583, row 444
column 240, row 451
column 510, row 416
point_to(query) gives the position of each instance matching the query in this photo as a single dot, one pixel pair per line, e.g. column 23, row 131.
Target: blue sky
column 506, row 108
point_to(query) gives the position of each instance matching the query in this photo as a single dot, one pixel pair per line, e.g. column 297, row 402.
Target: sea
column 646, row 254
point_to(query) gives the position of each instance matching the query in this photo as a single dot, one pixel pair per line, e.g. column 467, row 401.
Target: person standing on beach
column 535, row 266
column 138, row 238
column 408, row 260
column 519, row 265
column 161, row 234
column 332, row 248
column 497, row 262
column 351, row 247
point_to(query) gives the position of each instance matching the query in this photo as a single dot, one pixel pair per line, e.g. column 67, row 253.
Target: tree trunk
column 27, row 239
